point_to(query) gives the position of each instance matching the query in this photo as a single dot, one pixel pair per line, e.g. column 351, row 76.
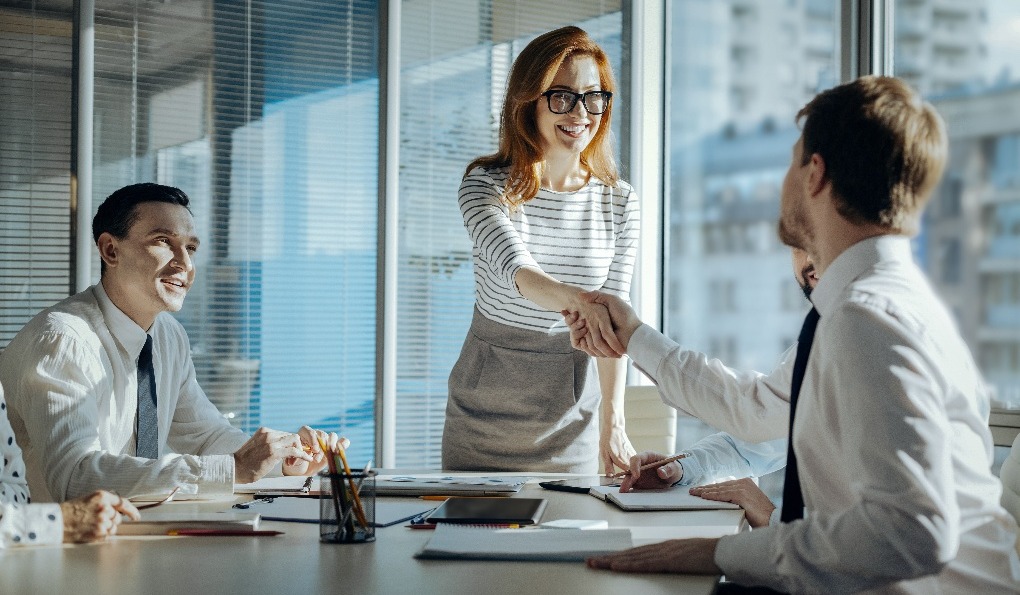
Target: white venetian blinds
column 266, row 114
column 35, row 154
column 455, row 57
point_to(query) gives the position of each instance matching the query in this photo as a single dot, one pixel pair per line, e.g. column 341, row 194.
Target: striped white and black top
column 587, row 238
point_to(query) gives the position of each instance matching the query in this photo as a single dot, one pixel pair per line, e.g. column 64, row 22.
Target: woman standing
column 549, row 219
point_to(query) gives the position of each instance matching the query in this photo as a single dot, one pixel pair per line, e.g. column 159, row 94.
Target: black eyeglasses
column 562, row 102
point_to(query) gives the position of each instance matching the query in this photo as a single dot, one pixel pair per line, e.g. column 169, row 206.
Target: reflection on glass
column 740, row 70
column 964, row 56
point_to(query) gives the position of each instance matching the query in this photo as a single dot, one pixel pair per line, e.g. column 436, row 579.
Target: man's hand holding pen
column 651, row 470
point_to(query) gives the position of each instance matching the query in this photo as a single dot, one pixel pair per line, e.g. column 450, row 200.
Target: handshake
column 601, row 324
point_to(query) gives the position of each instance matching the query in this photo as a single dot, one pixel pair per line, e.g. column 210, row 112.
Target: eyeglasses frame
column 582, row 97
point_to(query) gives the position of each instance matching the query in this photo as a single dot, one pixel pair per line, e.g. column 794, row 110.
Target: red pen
column 220, row 532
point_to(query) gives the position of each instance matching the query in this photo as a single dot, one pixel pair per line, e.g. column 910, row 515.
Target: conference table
column 298, row 563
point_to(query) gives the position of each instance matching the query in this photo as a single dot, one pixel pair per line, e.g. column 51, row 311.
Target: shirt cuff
column 744, row 558
column 774, row 518
column 217, row 476
column 30, row 524
column 693, row 471
column 648, row 348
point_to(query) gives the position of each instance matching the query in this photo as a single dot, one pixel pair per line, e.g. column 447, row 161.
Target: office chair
column 651, row 424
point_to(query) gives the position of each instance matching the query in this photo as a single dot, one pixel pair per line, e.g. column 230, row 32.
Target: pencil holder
column 347, row 507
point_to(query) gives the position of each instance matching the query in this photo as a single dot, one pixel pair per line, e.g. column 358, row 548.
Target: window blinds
column 35, row 127
column 266, row 114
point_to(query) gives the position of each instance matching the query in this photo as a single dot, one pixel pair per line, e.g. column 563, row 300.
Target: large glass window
column 964, row 56
column 740, row 70
column 266, row 114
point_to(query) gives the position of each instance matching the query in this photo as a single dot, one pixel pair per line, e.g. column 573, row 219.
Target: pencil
column 652, row 465
column 358, row 510
column 331, row 467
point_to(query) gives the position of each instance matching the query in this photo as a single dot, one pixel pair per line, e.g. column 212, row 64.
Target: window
column 737, row 133
column 267, row 115
column 35, row 91
column 968, row 63
column 729, row 160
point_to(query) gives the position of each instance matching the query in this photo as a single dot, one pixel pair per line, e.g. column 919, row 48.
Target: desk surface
column 298, row 563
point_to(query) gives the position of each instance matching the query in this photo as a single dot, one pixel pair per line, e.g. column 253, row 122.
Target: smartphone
column 579, row 484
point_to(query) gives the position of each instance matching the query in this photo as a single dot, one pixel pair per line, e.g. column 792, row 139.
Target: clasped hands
column 299, row 453
column 600, row 324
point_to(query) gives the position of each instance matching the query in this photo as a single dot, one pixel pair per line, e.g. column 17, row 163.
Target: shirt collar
column 126, row 331
column 855, row 261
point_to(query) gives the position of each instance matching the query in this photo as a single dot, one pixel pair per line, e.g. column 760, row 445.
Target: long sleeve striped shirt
column 586, row 238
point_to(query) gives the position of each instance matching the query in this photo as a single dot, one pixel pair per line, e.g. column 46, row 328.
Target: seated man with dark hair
column 102, row 387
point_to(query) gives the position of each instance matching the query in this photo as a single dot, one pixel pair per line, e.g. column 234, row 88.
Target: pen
column 652, row 465
column 219, row 532
column 249, row 504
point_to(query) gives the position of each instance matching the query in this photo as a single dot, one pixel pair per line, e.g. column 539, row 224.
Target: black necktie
column 793, row 500
column 147, row 432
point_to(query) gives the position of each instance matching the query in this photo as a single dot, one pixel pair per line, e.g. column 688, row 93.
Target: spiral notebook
column 678, row 498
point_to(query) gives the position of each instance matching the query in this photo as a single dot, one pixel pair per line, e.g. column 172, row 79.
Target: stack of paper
column 479, row 543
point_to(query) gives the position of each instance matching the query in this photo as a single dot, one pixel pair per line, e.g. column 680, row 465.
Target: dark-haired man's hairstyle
column 119, row 211
column 884, row 150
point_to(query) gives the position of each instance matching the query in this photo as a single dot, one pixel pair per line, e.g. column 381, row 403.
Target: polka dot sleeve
column 22, row 523
column 30, row 524
column 13, row 484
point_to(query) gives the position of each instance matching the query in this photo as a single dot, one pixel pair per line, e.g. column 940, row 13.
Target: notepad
column 677, row 498
column 159, row 523
column 443, row 485
column 566, row 545
column 489, row 511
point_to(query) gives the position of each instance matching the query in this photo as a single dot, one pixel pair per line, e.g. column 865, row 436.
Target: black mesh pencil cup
column 347, row 507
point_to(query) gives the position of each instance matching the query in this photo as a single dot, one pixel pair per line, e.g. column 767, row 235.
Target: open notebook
column 678, row 498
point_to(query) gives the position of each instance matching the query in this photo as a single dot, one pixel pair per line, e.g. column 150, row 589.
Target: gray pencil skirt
column 521, row 400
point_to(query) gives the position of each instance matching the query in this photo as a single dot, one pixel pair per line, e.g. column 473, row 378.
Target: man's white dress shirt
column 71, row 379
column 892, row 445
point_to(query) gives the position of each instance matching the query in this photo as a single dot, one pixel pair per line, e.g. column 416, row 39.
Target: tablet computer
column 489, row 511
column 580, row 485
